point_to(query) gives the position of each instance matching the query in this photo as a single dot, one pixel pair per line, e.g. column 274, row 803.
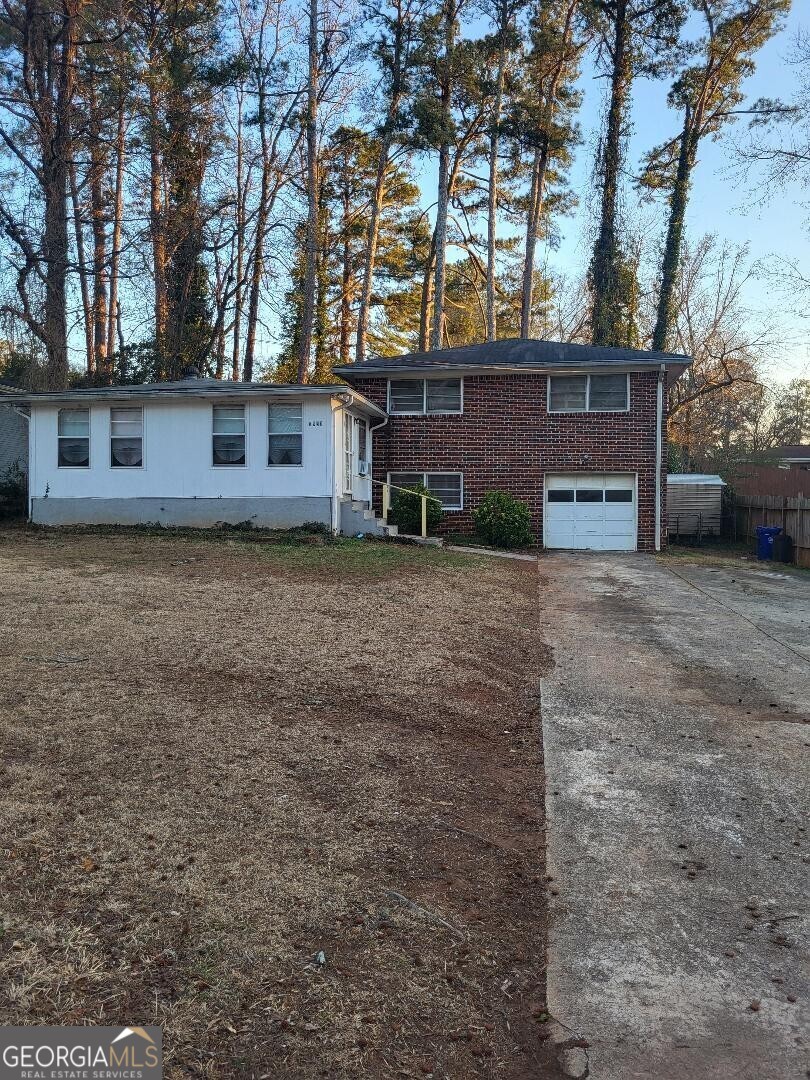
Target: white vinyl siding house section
column 588, row 393
column 272, row 459
column 447, row 487
column 425, row 397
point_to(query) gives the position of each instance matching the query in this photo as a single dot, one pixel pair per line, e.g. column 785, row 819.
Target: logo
column 81, row 1053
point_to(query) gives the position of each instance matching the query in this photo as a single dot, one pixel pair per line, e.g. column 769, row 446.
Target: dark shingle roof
column 798, row 450
column 518, row 353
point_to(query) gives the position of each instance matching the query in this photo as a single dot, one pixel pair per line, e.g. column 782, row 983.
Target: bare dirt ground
column 224, row 764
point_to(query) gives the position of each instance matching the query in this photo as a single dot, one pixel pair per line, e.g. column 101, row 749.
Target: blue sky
column 733, row 210
column 721, row 202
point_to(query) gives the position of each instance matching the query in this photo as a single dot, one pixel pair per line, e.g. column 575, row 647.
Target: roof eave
column 209, row 393
column 672, row 365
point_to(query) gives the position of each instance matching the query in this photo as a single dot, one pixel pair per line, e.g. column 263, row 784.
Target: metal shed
column 694, row 504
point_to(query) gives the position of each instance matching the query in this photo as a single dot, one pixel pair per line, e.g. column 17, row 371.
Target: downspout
column 371, row 431
column 659, row 445
column 346, row 401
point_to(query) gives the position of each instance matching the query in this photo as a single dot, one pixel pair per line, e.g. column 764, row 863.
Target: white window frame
column 424, row 410
column 267, row 462
column 220, row 405
column 129, row 468
column 436, row 472
column 76, row 408
column 587, row 377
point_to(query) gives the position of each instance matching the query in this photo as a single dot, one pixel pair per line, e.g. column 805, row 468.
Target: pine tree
column 707, row 94
column 634, row 38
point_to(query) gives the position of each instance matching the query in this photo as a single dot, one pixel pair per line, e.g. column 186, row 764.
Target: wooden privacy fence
column 791, row 514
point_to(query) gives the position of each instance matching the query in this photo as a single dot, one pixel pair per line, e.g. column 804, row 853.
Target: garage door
column 591, row 510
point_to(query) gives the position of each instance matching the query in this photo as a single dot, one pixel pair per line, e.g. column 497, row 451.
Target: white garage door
column 591, row 510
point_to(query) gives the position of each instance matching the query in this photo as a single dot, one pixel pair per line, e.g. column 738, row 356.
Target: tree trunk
column 118, row 221
column 345, row 295
column 55, row 245
column 492, row 200
column 256, row 271
column 240, row 247
column 99, row 230
column 311, row 269
column 81, row 259
column 605, row 319
column 443, row 200
column 672, row 247
column 157, row 227
column 539, row 168
column 371, row 244
column 427, row 295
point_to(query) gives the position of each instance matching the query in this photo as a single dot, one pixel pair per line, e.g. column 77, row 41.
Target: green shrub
column 13, row 493
column 503, row 520
column 406, row 510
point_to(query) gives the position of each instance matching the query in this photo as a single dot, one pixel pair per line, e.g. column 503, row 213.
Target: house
column 791, row 457
column 576, row 431
column 201, row 452
column 13, row 433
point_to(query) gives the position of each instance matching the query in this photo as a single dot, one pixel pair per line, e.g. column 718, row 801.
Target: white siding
column 178, row 454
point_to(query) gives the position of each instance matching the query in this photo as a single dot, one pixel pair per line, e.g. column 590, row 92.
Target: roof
column 706, row 479
column 799, row 451
column 520, row 354
column 193, row 387
column 7, row 388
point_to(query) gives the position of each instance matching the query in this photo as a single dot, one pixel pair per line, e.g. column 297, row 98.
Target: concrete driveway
column 676, row 740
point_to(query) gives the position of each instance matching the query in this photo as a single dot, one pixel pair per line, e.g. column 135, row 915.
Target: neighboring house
column 576, row 431
column 13, row 434
column 203, row 451
column 791, row 457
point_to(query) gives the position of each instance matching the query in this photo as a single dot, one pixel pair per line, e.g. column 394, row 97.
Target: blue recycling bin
column 765, row 538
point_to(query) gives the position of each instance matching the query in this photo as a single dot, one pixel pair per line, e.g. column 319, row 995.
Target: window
column 588, row 393
column 229, row 434
column 607, row 393
column 285, row 434
column 443, row 395
column 74, row 439
column 568, row 393
column 590, row 495
column 447, row 487
column 424, row 396
column 561, row 495
column 362, row 441
column 619, row 495
column 126, row 438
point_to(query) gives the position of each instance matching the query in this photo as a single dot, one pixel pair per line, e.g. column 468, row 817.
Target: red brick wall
column 506, row 440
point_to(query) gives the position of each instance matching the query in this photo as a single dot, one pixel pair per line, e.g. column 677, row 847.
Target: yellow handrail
column 386, row 501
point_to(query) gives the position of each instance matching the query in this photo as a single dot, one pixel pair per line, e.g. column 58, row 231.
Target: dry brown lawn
column 224, row 764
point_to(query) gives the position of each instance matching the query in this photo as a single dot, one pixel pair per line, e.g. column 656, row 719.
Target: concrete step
column 425, row 541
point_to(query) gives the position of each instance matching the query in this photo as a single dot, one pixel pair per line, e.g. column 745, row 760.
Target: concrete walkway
column 676, row 745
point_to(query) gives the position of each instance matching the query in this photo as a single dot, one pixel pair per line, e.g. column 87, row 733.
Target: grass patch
column 727, row 554
column 224, row 761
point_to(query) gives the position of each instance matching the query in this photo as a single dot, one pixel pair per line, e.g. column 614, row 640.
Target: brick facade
column 506, row 440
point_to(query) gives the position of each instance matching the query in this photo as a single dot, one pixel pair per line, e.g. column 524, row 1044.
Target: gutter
column 659, row 446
